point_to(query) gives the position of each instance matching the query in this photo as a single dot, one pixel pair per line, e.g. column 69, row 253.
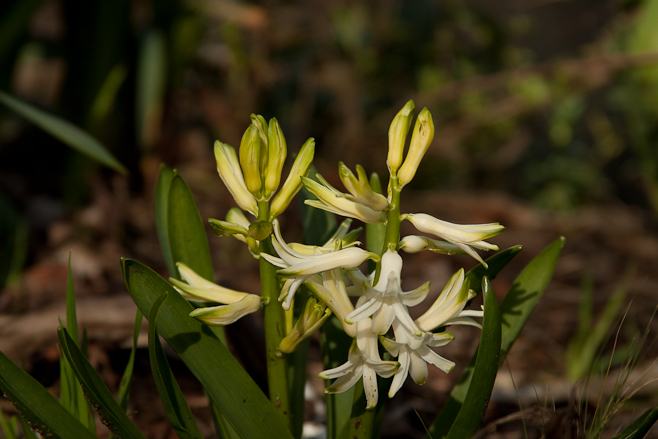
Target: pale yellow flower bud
column 421, row 139
column 293, row 183
column 250, row 157
column 397, row 136
column 228, row 168
column 276, row 155
column 312, row 317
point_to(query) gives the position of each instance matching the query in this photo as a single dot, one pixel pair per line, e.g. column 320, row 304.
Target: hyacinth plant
column 369, row 340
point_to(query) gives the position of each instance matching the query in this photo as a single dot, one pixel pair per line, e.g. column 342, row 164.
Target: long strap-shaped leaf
column 198, row 345
column 515, row 309
column 641, row 426
column 108, row 409
column 178, row 412
column 63, row 130
column 484, row 374
column 37, row 405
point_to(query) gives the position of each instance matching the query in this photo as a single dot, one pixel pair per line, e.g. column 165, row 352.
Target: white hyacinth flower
column 298, row 266
column 414, row 353
column 448, row 309
column 415, row 244
column 330, row 288
column 360, row 190
column 386, row 301
column 363, row 361
column 463, row 236
column 236, row 304
column 336, row 202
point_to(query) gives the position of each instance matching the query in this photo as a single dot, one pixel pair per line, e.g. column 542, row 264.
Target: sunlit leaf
column 161, row 201
column 44, row 413
column 176, row 408
column 515, row 309
column 237, row 396
column 484, row 374
column 110, row 412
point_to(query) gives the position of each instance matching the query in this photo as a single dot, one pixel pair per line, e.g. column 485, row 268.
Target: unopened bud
column 260, row 230
column 259, row 122
column 250, row 156
column 293, row 183
column 397, row 136
column 421, row 139
column 276, row 155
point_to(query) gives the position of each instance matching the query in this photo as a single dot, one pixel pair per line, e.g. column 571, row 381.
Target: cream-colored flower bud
column 276, row 155
column 421, row 139
column 397, row 136
column 226, row 314
column 228, row 168
column 312, row 317
column 250, row 157
column 293, row 183
column 259, row 122
column 360, row 189
column 226, row 228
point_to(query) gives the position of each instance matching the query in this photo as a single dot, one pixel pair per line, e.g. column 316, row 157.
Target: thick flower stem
column 274, row 320
column 394, row 221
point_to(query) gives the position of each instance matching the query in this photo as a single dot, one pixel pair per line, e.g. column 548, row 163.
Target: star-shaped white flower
column 414, row 353
column 363, row 361
column 386, row 301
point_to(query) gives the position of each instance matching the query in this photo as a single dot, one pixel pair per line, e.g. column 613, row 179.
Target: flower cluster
column 380, row 315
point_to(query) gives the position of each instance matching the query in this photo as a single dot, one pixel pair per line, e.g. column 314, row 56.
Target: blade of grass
column 124, row 385
column 641, row 426
column 477, row 398
column 237, row 396
column 63, row 130
column 72, row 397
column 44, row 413
column 9, row 427
column 176, row 408
column 110, row 412
column 515, row 309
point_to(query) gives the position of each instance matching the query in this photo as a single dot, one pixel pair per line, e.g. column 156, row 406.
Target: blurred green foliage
column 550, row 101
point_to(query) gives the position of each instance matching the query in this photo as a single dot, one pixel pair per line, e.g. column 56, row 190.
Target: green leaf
column 44, row 413
column 161, row 202
column 27, row 431
column 641, row 426
column 110, row 412
column 71, row 394
column 178, row 412
column 583, row 347
column 124, row 386
column 529, row 286
column 63, row 130
column 187, row 236
column 237, row 396
column 515, row 309
column 495, row 263
column 475, row 404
